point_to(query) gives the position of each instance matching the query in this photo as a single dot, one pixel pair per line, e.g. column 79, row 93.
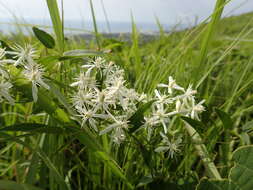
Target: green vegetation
column 43, row 145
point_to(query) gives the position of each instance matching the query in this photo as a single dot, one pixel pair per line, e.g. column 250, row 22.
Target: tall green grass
column 64, row 156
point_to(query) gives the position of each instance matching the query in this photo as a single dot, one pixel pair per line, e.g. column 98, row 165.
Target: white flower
column 125, row 97
column 113, row 73
column 98, row 63
column 171, row 85
column 162, row 116
column 188, row 95
column 84, row 82
column 117, row 89
column 22, row 54
column 171, row 146
column 118, row 128
column 2, row 53
column 178, row 106
column 4, row 92
column 2, row 62
column 142, row 97
column 162, row 99
column 118, row 135
column 34, row 73
column 90, row 116
column 196, row 109
column 103, row 100
column 149, row 124
column 3, row 72
column 151, row 121
column 82, row 98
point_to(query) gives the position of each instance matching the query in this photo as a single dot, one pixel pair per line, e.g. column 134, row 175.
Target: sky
column 168, row 11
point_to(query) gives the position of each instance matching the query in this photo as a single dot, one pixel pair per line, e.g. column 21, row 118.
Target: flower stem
column 203, row 153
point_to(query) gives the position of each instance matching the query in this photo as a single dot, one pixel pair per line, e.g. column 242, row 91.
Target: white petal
column 93, row 124
column 8, row 97
column 162, row 149
column 41, row 82
column 164, row 127
column 34, row 92
column 74, row 84
column 162, row 85
column 107, row 129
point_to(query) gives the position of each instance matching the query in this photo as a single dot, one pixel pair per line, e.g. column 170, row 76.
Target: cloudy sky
column 168, row 11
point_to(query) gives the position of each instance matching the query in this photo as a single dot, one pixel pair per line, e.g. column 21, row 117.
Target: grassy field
column 47, row 142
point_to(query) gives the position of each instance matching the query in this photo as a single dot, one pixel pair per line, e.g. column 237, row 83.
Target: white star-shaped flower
column 34, row 73
column 4, row 92
column 171, row 85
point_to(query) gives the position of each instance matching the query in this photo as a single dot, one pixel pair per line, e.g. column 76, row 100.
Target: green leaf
column 198, row 125
column 57, row 23
column 46, row 39
column 33, row 127
column 242, row 173
column 137, row 119
column 12, row 185
column 225, row 118
column 81, row 53
column 225, row 184
column 240, row 176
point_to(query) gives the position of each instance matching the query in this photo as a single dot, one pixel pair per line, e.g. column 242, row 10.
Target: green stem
column 203, row 153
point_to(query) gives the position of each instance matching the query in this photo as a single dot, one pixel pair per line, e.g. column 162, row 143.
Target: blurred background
column 114, row 16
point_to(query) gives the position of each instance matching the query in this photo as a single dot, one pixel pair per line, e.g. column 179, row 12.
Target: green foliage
column 33, row 127
column 57, row 23
column 240, row 175
column 11, row 185
column 46, row 39
column 82, row 53
column 42, row 145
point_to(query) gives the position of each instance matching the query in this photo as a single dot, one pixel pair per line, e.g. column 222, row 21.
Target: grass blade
column 208, row 35
column 57, row 23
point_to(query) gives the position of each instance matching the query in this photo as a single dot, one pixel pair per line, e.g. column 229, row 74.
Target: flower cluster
column 171, row 100
column 23, row 58
column 103, row 100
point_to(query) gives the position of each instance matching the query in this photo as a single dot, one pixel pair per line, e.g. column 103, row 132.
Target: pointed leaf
column 82, row 53
column 225, row 184
column 33, row 127
column 198, row 125
column 46, row 39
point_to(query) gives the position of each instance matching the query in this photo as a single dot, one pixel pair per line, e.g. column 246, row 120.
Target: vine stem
column 203, row 153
